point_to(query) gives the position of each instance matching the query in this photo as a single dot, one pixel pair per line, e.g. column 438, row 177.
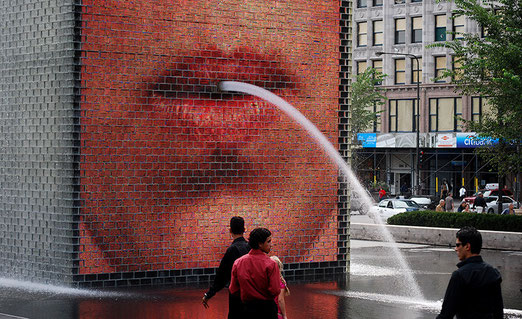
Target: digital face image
column 167, row 159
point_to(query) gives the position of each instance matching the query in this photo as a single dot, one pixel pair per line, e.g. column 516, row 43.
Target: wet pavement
column 376, row 288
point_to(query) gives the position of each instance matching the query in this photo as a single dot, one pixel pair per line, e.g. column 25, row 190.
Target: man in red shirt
column 255, row 277
column 382, row 193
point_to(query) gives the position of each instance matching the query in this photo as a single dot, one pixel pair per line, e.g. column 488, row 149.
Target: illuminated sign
column 472, row 140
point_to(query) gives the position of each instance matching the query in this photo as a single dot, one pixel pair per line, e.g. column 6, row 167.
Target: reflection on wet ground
column 374, row 290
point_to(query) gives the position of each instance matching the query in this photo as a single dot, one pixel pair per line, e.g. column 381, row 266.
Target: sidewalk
column 434, row 236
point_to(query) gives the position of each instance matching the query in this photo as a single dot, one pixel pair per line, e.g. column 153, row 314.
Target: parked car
column 491, row 186
column 423, row 202
column 389, row 207
column 494, row 192
column 492, row 203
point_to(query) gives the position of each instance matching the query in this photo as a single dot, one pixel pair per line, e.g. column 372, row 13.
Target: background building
column 389, row 151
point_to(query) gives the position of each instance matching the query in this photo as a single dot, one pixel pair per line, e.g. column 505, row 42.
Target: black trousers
column 260, row 309
column 235, row 307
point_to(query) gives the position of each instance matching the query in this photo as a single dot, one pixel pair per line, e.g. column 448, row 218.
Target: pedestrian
column 474, row 289
column 480, row 203
column 404, row 189
column 462, row 192
column 510, row 210
column 444, row 189
column 285, row 291
column 238, row 248
column 441, row 206
column 255, row 278
column 449, row 203
column 463, row 207
column 382, row 193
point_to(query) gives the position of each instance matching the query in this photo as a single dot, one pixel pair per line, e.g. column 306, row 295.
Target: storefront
column 450, row 157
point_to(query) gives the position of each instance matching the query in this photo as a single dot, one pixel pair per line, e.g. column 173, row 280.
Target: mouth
column 186, row 95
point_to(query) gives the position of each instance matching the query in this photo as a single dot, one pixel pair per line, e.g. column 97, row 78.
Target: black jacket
column 473, row 292
column 479, row 201
column 238, row 248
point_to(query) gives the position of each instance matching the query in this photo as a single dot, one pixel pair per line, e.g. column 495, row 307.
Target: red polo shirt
column 255, row 276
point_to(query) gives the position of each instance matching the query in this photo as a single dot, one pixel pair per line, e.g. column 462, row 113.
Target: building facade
column 403, row 29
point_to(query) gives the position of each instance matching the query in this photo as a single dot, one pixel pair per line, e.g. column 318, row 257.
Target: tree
column 491, row 66
column 366, row 93
column 367, row 97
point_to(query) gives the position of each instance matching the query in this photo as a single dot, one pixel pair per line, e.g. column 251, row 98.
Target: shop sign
column 472, row 140
column 446, row 140
column 367, row 139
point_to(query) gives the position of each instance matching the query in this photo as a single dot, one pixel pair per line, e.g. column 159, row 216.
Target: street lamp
column 416, row 179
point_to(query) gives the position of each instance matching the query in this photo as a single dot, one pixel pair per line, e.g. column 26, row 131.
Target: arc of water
column 330, row 151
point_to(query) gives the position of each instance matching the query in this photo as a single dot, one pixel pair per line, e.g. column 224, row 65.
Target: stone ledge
column 435, row 236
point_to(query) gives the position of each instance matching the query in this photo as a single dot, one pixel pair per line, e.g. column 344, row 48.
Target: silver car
column 390, row 207
column 492, row 203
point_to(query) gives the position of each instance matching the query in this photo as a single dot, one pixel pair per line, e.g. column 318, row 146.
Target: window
column 444, row 113
column 361, row 3
column 400, row 71
column 361, row 66
column 456, row 65
column 399, row 1
column 440, row 67
column 378, row 35
column 459, row 26
column 376, row 125
column 362, row 29
column 416, row 75
column 377, row 3
column 402, row 115
column 440, row 27
column 416, row 0
column 416, row 31
column 479, row 107
column 400, row 31
column 377, row 65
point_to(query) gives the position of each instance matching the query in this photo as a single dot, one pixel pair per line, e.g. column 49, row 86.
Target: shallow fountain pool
column 373, row 290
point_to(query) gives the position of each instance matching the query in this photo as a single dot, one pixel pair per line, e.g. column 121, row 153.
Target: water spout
column 334, row 155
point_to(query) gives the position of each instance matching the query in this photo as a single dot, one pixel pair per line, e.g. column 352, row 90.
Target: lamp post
column 416, row 179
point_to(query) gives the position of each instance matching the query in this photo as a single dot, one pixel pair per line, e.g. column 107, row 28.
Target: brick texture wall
column 122, row 163
column 37, row 140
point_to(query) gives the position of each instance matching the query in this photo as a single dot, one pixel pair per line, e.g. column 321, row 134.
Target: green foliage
column 511, row 223
column 365, row 94
column 492, row 67
column 377, row 185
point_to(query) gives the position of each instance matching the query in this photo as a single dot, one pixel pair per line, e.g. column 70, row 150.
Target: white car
column 389, row 207
column 423, row 202
column 492, row 203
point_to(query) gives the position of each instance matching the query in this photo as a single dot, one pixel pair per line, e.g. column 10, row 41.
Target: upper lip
column 197, row 75
column 185, row 94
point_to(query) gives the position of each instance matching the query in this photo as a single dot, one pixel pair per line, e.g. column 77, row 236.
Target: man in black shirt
column 474, row 289
column 480, row 202
column 238, row 248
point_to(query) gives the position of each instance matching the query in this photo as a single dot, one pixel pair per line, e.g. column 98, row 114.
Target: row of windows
column 378, row 3
column 444, row 114
column 416, row 72
column 400, row 30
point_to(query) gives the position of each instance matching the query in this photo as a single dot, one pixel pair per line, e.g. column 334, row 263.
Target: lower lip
column 231, row 120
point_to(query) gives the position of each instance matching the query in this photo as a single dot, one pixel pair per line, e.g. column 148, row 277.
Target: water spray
column 332, row 153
